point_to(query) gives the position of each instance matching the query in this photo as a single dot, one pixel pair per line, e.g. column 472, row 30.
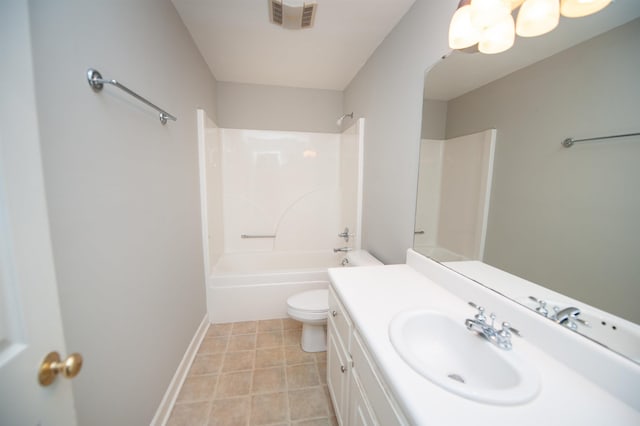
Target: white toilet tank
column 362, row 258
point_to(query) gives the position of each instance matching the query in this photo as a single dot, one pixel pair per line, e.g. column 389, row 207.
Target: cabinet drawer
column 339, row 318
column 381, row 401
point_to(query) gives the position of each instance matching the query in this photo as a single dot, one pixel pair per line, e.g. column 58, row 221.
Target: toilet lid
column 312, row 301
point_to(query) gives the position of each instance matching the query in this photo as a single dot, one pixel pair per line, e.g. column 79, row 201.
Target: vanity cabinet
column 357, row 390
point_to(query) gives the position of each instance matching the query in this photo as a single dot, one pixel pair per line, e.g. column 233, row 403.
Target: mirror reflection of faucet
column 567, row 316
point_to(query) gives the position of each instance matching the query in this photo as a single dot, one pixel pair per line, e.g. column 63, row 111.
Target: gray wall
column 434, row 119
column 566, row 218
column 254, row 106
column 123, row 196
column 387, row 91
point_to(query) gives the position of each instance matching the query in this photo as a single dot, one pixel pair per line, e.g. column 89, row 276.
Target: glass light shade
column 499, row 37
column 578, row 8
column 537, row 17
column 461, row 33
column 485, row 13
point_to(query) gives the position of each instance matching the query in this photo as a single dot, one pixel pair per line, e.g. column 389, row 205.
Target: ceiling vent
column 293, row 17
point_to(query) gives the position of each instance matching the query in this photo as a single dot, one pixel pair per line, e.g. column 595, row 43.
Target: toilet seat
column 311, row 302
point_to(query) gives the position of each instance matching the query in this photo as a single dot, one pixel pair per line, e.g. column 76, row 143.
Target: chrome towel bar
column 568, row 142
column 97, row 83
column 244, row 236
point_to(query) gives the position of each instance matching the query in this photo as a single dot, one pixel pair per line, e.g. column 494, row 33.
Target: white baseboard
column 169, row 399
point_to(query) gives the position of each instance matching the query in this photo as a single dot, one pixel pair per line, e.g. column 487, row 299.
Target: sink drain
column 456, row 377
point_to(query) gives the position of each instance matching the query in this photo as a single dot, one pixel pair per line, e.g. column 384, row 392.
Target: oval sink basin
column 458, row 360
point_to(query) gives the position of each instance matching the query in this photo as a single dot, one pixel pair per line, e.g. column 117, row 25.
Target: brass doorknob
column 51, row 366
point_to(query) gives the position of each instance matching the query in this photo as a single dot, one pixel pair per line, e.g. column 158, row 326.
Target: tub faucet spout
column 342, row 249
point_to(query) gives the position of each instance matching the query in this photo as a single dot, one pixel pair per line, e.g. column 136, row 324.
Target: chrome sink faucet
column 501, row 338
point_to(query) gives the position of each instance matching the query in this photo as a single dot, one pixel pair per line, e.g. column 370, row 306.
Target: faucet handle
column 493, row 319
column 507, row 330
column 346, row 234
column 480, row 317
column 583, row 322
column 542, row 308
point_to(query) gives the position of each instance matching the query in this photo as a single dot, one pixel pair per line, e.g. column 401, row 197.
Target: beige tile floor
column 255, row 373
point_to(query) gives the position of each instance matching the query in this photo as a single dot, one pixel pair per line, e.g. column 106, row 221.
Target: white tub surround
column 280, row 184
column 581, row 382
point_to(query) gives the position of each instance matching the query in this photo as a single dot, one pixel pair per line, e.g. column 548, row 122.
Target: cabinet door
column 379, row 400
column 360, row 413
column 337, row 371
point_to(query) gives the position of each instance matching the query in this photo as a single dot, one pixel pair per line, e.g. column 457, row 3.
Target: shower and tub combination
column 253, row 286
column 275, row 206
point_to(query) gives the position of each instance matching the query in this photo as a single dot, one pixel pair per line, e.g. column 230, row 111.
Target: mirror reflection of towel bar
column 256, row 236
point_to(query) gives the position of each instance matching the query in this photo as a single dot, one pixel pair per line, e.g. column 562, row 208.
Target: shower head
column 341, row 119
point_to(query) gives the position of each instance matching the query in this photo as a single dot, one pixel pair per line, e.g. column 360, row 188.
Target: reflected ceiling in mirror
column 470, row 71
column 565, row 218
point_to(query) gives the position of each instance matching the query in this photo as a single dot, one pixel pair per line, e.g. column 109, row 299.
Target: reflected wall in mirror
column 564, row 218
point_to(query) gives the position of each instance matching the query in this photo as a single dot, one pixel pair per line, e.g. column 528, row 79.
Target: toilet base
column 314, row 337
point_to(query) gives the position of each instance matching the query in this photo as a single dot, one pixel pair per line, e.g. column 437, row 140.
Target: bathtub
column 255, row 286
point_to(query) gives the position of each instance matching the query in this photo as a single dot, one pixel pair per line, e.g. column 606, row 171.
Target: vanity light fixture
column 498, row 37
column 537, row 17
column 489, row 24
column 580, row 8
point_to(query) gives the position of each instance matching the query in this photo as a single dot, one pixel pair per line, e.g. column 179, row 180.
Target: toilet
column 311, row 307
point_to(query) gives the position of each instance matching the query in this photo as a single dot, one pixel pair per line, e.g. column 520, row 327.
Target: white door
column 30, row 319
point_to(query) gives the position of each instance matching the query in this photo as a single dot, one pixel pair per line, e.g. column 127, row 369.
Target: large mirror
column 565, row 218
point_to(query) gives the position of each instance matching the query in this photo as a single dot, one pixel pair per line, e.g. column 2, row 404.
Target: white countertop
column 374, row 295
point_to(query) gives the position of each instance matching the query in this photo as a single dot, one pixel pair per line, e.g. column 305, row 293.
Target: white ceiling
column 240, row 45
column 461, row 73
